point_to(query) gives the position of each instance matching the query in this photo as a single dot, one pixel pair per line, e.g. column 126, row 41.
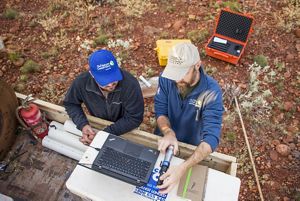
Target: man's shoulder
column 81, row 79
column 212, row 83
column 165, row 81
column 83, row 76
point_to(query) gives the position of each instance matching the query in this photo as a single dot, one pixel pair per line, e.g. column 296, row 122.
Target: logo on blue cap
column 104, row 67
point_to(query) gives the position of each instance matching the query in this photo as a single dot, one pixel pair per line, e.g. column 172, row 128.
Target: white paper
column 220, row 40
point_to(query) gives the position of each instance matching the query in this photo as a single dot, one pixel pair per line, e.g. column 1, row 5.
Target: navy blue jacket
column 124, row 106
column 193, row 119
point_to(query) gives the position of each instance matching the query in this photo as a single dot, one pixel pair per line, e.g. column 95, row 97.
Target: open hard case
column 230, row 36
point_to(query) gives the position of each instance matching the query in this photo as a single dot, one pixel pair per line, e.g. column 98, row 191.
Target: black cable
column 84, row 165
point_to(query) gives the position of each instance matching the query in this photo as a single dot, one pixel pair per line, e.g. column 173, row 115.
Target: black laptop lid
column 137, row 171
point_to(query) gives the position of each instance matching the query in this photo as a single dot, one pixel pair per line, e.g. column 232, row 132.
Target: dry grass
column 136, row 8
column 49, row 23
column 288, row 17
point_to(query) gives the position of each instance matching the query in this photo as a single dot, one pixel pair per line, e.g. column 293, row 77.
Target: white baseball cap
column 180, row 59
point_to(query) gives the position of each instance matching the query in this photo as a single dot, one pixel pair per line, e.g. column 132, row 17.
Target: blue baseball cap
column 104, row 67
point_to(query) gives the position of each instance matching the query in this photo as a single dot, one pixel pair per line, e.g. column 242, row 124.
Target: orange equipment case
column 230, row 36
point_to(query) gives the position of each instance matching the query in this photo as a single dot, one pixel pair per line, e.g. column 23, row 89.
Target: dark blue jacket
column 193, row 119
column 124, row 106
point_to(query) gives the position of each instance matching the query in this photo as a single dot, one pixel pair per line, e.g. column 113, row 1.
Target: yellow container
column 163, row 47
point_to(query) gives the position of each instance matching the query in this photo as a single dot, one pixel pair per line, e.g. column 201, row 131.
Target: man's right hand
column 168, row 139
column 87, row 134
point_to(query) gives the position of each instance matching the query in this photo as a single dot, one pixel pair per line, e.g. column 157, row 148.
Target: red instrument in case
column 230, row 36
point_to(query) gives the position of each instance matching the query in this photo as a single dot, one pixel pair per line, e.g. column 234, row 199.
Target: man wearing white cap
column 188, row 108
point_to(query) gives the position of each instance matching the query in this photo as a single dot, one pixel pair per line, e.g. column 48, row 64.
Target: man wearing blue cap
column 109, row 93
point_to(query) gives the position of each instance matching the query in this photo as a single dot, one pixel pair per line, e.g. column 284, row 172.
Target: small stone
column 290, row 157
column 47, row 71
column 192, row 17
column 1, row 73
column 296, row 154
column 15, row 28
column 298, row 47
column 288, row 139
column 19, row 62
column 179, row 24
column 167, row 25
column 273, row 155
column 72, row 75
column 225, row 150
column 286, row 199
column 275, row 142
column 287, row 74
column 149, row 30
column 288, row 106
column 4, row 38
column 290, row 57
column 292, row 146
column 297, row 33
column 283, row 149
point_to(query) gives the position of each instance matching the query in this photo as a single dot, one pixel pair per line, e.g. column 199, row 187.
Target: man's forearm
column 77, row 115
column 200, row 153
column 163, row 124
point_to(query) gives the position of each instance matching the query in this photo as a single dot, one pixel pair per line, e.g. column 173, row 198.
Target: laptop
column 124, row 160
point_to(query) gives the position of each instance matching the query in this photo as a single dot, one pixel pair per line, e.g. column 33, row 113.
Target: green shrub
column 20, row 87
column 24, row 78
column 232, row 5
column 102, row 39
column 30, row 67
column 164, row 35
column 261, row 60
column 10, row 13
column 231, row 136
column 170, row 9
column 202, row 53
column 53, row 52
column 197, row 36
column 14, row 56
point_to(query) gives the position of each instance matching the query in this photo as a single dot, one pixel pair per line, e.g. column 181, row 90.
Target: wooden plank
column 39, row 174
column 232, row 170
column 215, row 160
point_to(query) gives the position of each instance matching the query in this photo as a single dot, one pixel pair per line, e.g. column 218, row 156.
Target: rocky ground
column 44, row 45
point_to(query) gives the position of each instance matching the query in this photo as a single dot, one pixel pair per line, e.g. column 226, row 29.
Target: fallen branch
column 249, row 149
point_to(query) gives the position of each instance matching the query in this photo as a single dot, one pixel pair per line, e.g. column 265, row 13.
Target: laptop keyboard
column 120, row 162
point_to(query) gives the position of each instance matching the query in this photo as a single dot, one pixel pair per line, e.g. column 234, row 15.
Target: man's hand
column 87, row 134
column 171, row 178
column 168, row 139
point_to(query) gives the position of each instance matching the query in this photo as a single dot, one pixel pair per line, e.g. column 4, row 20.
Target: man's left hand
column 171, row 178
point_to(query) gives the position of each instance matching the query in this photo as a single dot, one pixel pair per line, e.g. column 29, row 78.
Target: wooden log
column 215, row 160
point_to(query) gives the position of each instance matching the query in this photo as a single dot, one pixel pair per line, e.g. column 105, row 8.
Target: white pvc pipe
column 57, row 125
column 66, row 138
column 71, row 128
column 148, row 84
column 62, row 148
